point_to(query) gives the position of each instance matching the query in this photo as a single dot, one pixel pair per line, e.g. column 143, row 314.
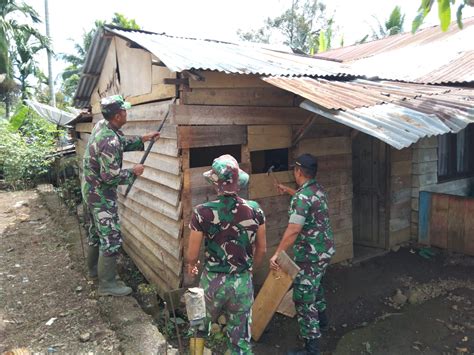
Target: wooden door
column 370, row 180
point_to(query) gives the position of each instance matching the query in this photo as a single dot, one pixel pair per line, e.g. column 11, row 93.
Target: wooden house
column 264, row 107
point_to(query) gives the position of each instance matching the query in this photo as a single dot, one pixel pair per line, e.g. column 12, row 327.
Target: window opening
column 204, row 156
column 262, row 160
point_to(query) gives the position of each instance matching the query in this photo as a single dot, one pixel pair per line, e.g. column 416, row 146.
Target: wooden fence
column 447, row 221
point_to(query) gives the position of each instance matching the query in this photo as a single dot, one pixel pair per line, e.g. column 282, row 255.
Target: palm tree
column 392, row 26
column 11, row 28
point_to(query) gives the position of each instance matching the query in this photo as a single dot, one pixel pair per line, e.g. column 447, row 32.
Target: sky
column 214, row 19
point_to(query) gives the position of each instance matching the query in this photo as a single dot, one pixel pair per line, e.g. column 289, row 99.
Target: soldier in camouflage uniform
column 235, row 242
column 309, row 232
column 102, row 174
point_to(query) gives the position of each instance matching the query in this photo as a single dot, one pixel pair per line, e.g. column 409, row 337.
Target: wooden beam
column 236, row 115
column 177, row 81
column 210, row 136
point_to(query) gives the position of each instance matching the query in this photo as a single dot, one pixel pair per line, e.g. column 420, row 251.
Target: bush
column 26, row 148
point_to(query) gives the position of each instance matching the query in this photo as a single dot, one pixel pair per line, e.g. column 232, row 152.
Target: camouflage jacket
column 103, row 162
column 309, row 208
column 229, row 225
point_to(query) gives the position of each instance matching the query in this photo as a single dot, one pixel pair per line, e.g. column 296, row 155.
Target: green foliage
column 444, row 12
column 392, row 26
column 70, row 192
column 300, row 26
column 26, row 148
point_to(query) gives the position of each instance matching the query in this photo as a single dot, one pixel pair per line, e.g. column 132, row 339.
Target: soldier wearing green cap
column 309, row 232
column 103, row 172
column 235, row 242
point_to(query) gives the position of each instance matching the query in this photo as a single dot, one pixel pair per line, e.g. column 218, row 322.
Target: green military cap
column 112, row 104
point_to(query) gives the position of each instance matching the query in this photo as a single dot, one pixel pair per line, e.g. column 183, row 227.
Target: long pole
column 50, row 68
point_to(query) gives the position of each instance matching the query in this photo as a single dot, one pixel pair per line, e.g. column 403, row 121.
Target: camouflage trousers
column 232, row 296
column 104, row 229
column 308, row 295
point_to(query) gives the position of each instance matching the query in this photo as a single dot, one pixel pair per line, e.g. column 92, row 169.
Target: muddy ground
column 42, row 281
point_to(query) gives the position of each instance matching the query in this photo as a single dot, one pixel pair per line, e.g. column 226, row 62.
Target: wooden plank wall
column 400, row 195
column 450, row 224
column 331, row 143
column 424, row 174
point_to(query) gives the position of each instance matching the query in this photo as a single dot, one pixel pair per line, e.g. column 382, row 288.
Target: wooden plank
column 343, row 252
column 341, row 223
column 425, row 167
column 148, row 201
column 163, row 285
column 272, row 292
column 425, row 154
column 325, row 146
column 161, row 177
column 261, row 185
column 439, row 221
column 84, row 127
column 339, row 193
column 424, row 217
column 108, row 83
column 401, row 155
column 170, row 247
column 334, row 162
column 215, row 80
column 287, row 305
column 166, row 147
column 343, row 236
column 134, row 65
column 162, row 192
column 210, row 136
column 234, row 115
column 139, row 128
column 264, row 137
column 424, row 180
column 401, row 168
column 264, row 96
column 334, row 178
column 400, row 236
column 469, row 227
column 156, row 161
column 340, row 207
column 456, row 208
column 166, row 262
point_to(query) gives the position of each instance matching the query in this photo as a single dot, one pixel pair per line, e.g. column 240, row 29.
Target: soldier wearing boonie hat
column 309, row 232
column 103, row 173
column 235, row 242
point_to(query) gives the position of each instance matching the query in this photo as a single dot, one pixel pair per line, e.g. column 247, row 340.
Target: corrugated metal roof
column 428, row 56
column 53, row 114
column 180, row 54
column 396, row 113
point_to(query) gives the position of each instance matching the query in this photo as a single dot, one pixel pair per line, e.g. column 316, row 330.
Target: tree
column 71, row 74
column 392, row 26
column 300, row 26
column 12, row 25
column 444, row 12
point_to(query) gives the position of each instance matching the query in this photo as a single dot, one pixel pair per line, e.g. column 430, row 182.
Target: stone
column 399, row 298
column 414, row 297
column 221, row 320
column 85, row 337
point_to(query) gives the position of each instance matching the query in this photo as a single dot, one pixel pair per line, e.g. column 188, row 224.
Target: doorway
column 370, row 204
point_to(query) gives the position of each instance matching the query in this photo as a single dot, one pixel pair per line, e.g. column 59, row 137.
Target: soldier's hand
column 149, row 136
column 138, row 169
column 273, row 263
column 281, row 188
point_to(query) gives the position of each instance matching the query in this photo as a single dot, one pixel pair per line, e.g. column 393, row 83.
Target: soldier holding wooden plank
column 309, row 232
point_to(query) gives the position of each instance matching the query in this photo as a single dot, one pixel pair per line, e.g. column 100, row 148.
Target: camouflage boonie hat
column 226, row 175
column 113, row 104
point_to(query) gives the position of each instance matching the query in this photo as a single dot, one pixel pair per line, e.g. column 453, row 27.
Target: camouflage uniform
column 102, row 174
column 229, row 225
column 313, row 249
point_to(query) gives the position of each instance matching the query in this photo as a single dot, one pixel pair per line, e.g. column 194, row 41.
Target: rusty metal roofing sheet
column 394, row 112
column 428, row 56
column 180, row 54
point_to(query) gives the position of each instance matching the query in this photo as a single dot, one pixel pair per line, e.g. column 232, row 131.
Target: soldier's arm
column 111, row 172
column 133, row 143
column 260, row 245
column 192, row 257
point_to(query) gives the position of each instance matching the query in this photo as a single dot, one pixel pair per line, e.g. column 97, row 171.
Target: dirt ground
column 42, row 282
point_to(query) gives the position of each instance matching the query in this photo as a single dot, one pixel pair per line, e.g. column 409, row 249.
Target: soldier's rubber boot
column 92, row 260
column 323, row 321
column 311, row 348
column 108, row 285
